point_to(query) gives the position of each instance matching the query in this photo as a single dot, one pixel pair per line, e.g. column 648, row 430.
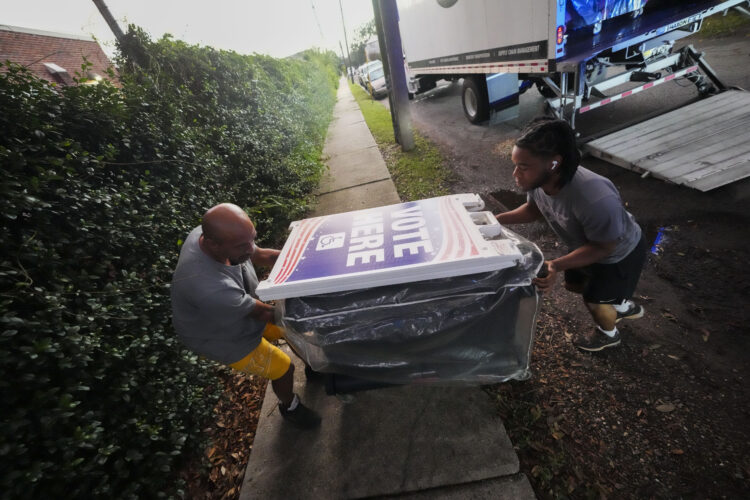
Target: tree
column 364, row 33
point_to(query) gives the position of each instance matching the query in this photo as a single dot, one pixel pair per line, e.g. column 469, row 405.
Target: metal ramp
column 704, row 145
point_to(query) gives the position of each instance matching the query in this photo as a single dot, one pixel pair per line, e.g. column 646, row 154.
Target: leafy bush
column 100, row 184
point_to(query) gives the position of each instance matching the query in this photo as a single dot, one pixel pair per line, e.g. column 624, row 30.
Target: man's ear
column 211, row 243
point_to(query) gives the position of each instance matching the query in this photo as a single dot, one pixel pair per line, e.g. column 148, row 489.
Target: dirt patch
column 503, row 149
column 219, row 473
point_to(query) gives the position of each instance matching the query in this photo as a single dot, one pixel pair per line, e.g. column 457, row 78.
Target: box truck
column 574, row 51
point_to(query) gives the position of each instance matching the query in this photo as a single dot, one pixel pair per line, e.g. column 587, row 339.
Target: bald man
column 215, row 310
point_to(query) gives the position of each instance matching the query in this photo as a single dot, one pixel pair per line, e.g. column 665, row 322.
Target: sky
column 278, row 28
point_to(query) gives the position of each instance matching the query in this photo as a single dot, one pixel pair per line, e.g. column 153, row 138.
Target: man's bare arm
column 528, row 212
column 580, row 257
column 265, row 257
column 262, row 312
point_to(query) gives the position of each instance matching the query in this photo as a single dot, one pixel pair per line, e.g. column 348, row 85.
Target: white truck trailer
column 579, row 53
column 568, row 48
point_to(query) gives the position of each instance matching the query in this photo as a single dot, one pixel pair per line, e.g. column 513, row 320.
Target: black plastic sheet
column 472, row 329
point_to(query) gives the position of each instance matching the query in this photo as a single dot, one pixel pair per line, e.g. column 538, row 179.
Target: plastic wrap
column 471, row 329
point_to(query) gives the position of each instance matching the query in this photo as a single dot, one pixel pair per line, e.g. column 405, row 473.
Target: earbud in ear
column 554, row 165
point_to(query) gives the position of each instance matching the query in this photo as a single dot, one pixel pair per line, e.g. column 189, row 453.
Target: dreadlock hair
column 546, row 137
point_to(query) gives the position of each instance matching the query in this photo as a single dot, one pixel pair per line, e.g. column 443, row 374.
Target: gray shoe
column 634, row 312
column 301, row 417
column 599, row 342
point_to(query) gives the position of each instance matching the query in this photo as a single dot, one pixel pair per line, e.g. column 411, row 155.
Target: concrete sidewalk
column 410, row 442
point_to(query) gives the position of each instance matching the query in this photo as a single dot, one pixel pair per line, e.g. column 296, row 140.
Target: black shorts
column 610, row 283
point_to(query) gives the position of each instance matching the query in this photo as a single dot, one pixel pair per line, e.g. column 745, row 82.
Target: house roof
column 53, row 56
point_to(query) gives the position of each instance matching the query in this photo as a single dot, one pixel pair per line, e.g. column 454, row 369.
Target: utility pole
column 384, row 59
column 107, row 15
column 386, row 14
column 343, row 59
column 348, row 55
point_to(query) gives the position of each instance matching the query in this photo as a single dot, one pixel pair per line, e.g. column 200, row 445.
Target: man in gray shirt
column 606, row 247
column 216, row 313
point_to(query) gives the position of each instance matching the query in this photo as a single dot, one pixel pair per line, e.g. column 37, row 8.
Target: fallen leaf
column 669, row 316
column 639, row 413
column 706, row 334
column 557, row 435
column 572, row 484
column 666, row 407
column 677, row 358
column 677, row 451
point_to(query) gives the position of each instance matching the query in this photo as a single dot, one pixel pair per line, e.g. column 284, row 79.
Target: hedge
column 100, row 185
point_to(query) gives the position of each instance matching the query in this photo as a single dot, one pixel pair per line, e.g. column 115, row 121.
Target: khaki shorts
column 266, row 360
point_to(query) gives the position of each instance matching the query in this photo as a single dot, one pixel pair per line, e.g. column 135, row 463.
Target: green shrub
column 100, row 184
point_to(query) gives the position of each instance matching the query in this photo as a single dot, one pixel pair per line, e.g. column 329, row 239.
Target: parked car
column 376, row 82
column 365, row 71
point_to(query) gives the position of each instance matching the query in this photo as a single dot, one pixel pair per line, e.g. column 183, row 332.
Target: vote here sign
column 410, row 241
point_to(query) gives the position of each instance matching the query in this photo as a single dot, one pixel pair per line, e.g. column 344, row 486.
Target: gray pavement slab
column 374, row 194
column 348, row 120
column 384, row 442
column 355, row 139
column 516, row 487
column 353, row 169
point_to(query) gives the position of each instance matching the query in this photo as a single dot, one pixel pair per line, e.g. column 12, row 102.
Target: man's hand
column 546, row 283
column 262, row 312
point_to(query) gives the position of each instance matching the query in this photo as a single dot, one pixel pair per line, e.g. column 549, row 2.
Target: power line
column 317, row 21
column 346, row 42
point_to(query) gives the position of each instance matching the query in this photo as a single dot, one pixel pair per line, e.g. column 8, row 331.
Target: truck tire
column 474, row 99
column 426, row 83
column 545, row 90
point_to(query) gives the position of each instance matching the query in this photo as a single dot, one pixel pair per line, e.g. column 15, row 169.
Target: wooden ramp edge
column 703, row 145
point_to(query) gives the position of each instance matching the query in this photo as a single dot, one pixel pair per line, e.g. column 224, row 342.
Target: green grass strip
column 418, row 174
column 720, row 25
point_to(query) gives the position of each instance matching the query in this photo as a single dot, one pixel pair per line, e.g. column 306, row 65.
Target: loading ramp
column 703, row 145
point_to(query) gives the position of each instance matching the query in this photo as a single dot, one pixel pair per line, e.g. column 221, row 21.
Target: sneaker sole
column 637, row 315
column 597, row 349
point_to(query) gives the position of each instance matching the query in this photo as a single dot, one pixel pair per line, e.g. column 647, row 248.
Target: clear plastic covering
column 472, row 329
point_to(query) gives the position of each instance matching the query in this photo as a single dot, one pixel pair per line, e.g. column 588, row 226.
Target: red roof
column 46, row 53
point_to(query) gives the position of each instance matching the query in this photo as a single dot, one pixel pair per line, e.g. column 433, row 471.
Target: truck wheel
column 474, row 99
column 545, row 90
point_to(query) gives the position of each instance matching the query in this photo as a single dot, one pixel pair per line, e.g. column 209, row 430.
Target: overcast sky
column 275, row 27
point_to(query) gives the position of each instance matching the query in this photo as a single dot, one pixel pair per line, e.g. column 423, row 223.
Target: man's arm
column 580, row 257
column 265, row 257
column 262, row 312
column 528, row 212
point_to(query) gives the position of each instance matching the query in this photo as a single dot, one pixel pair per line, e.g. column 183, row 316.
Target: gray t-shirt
column 589, row 209
column 210, row 306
